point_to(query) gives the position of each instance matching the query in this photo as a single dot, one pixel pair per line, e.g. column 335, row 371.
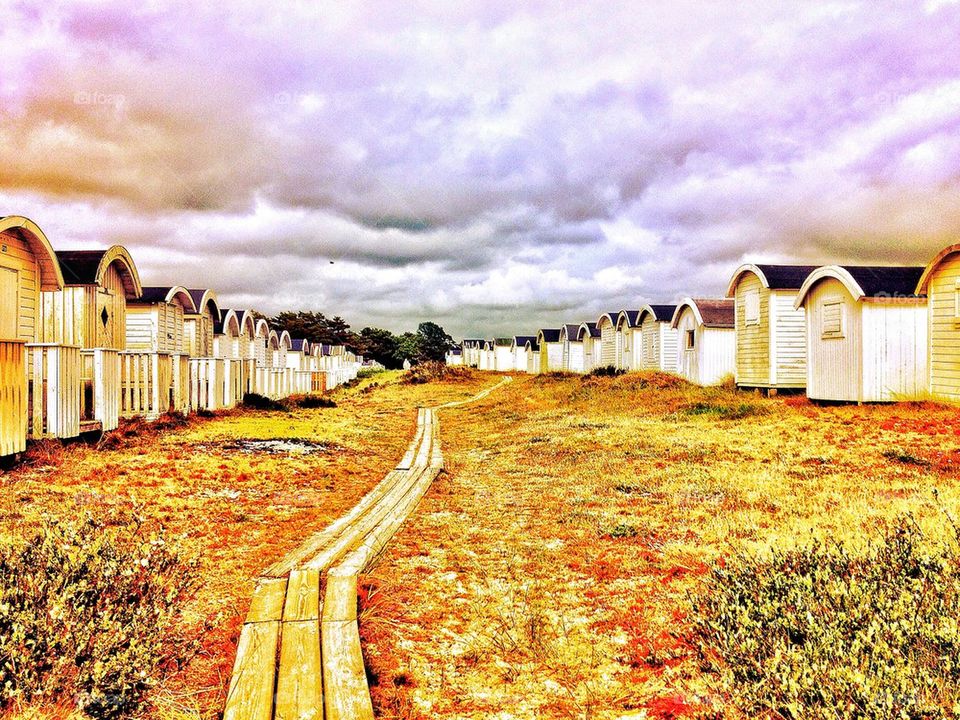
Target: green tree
column 317, row 328
column 380, row 345
column 434, row 342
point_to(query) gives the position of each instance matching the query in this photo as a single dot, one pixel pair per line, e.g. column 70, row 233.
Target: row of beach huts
column 83, row 344
column 838, row 332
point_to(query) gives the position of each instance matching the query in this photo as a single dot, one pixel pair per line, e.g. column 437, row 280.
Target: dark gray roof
column 663, row 313
column 79, row 267
column 716, row 313
column 551, row 335
column 786, row 277
column 572, row 329
column 521, row 340
column 631, row 317
column 592, row 329
column 883, row 281
column 297, row 345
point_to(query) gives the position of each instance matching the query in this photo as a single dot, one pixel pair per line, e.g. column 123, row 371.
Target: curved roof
column 549, row 335
column 472, row 342
column 522, row 340
column 89, row 267
column 248, row 324
column 176, row 294
column 228, row 324
column 611, row 316
column 709, row 312
column 273, row 340
column 660, row 313
column 300, row 345
column 532, row 345
column 284, row 339
column 866, row 281
column 630, row 316
column 261, row 329
column 24, row 229
column 568, row 331
column 588, row 327
column 774, row 277
column 924, row 282
column 204, row 299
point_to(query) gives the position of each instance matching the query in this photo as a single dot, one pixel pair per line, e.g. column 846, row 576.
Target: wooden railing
column 206, row 383
column 54, row 390
column 13, row 397
column 180, row 383
column 101, row 381
column 146, row 384
column 232, row 382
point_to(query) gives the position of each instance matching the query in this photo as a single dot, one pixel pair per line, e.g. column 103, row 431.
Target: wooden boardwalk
column 299, row 655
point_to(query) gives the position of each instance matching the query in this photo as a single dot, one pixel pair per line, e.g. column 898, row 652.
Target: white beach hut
column 707, row 342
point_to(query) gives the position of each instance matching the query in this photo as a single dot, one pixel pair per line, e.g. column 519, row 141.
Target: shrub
column 819, row 632
column 905, row 458
column 314, row 401
column 606, row 371
column 88, row 611
column 618, row 532
column 261, row 402
column 433, row 371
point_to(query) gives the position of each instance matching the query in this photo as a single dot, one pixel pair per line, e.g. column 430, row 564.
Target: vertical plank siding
column 791, row 341
column 834, row 364
column 54, row 390
column 13, row 397
column 753, row 366
column 944, row 329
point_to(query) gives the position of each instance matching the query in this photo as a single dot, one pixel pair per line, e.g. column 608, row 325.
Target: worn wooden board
column 346, row 695
column 303, row 596
column 250, row 696
column 300, row 675
column 268, row 599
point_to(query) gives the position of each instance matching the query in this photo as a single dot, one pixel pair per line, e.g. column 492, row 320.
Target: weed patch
column 821, row 632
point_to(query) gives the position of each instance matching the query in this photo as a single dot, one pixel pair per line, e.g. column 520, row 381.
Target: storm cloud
column 494, row 166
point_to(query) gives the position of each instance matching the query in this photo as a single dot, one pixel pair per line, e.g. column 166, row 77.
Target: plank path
column 299, row 654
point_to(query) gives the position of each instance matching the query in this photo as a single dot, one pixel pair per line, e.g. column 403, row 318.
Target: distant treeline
column 429, row 342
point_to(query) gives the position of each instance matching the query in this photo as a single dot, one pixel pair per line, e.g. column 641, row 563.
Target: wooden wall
column 19, row 289
column 753, row 366
column 789, row 341
column 944, row 328
column 88, row 316
column 155, row 328
column 833, row 363
column 894, row 350
column 13, row 397
column 608, row 342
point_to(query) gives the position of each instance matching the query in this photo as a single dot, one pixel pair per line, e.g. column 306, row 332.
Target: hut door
column 9, row 303
column 105, row 320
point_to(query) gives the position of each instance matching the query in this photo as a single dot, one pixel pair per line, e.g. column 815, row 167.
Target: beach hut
column 551, row 350
column 611, row 341
column 628, row 328
column 39, row 387
column 589, row 334
column 454, row 357
column 940, row 282
column 503, row 354
column 154, row 368
column 471, row 352
column 91, row 312
column 298, row 361
column 867, row 332
column 771, row 333
column 226, row 350
column 572, row 348
column 486, row 356
column 707, row 342
column 521, row 349
column 533, row 356
column 658, row 339
column 198, row 326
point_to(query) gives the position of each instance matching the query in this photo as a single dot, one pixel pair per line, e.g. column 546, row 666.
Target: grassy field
column 236, row 508
column 549, row 572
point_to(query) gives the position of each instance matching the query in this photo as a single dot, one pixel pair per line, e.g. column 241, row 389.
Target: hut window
column 751, row 307
column 691, row 339
column 956, row 300
column 832, row 320
column 104, row 317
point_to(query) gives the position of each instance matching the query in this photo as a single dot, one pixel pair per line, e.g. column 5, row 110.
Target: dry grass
column 548, row 573
column 237, row 511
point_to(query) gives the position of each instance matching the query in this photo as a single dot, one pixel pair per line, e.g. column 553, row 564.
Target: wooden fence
column 54, row 390
column 146, row 384
column 101, row 380
column 13, row 397
column 206, row 383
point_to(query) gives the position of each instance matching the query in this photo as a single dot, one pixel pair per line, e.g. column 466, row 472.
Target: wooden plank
column 267, row 602
column 300, row 675
column 346, row 694
column 303, row 596
column 250, row 696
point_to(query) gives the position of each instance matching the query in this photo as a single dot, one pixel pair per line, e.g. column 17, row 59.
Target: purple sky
column 496, row 167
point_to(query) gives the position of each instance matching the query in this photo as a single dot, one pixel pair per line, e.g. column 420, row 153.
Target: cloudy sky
column 494, row 166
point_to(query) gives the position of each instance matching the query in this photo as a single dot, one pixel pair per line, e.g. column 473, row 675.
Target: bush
column 88, row 611
column 313, row 401
column 435, row 371
column 261, row 402
column 606, row 371
column 822, row 633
